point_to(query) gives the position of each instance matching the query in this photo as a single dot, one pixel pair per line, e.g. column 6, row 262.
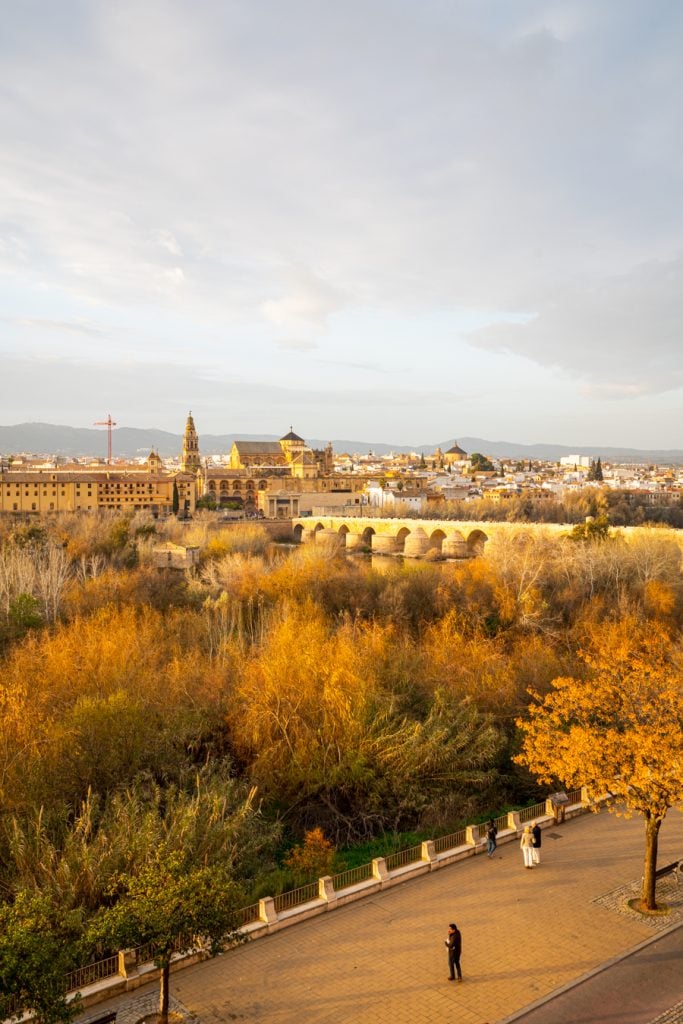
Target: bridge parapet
column 413, row 538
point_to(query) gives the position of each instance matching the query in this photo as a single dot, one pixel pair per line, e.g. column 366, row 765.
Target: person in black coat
column 491, row 833
column 454, row 944
column 536, row 847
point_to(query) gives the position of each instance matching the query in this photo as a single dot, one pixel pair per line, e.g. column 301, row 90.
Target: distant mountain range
column 131, row 442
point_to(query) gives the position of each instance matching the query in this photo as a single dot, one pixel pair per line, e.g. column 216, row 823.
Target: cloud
column 252, row 173
column 297, row 344
column 623, row 335
column 305, row 306
column 84, row 327
column 469, row 159
column 350, row 364
column 166, row 240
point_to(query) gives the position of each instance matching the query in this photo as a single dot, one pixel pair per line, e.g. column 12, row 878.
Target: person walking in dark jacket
column 454, row 944
column 536, row 845
column 491, row 833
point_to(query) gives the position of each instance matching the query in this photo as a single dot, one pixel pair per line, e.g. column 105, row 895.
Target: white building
column 580, row 461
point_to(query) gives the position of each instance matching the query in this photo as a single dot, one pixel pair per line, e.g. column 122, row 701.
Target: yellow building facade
column 44, row 491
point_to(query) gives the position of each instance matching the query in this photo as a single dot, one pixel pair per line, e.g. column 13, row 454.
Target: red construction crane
column 108, row 423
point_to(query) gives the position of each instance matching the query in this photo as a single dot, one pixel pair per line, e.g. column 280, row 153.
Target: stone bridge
column 413, row 538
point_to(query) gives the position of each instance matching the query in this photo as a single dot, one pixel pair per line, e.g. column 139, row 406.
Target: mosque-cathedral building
column 277, row 478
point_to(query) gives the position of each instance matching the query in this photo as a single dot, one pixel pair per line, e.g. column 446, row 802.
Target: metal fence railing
column 98, row 971
column 287, row 900
column 146, row 952
column 249, row 914
column 345, row 879
column 403, row 857
column 501, row 822
column 531, row 813
column 451, row 841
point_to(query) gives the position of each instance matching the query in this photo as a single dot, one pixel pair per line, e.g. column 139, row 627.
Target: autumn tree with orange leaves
column 618, row 730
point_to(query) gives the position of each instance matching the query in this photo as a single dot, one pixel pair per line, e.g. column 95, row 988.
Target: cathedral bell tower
column 189, row 461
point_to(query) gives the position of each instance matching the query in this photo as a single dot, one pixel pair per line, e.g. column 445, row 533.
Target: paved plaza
column 383, row 960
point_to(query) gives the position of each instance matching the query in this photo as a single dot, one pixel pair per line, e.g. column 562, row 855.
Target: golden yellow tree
column 618, row 731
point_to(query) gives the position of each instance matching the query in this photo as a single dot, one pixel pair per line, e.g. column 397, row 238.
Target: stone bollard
column 428, row 851
column 379, row 869
column 513, row 821
column 128, row 965
column 326, row 889
column 266, row 910
column 472, row 835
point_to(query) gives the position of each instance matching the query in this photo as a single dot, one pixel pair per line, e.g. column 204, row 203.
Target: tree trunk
column 163, row 991
column 648, row 897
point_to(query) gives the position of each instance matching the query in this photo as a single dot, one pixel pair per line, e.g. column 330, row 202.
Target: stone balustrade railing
column 127, row 971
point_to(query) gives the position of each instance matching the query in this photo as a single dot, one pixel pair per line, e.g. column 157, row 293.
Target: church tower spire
column 189, row 461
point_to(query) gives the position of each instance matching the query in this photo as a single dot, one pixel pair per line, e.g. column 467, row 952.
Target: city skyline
column 386, row 221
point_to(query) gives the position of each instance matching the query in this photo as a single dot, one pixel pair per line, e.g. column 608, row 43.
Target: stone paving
column 136, row 1007
column 669, row 893
column 672, row 1016
column 382, row 960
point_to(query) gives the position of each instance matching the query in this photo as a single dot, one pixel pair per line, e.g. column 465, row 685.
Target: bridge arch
column 476, row 542
column 367, row 535
column 401, row 536
column 436, row 539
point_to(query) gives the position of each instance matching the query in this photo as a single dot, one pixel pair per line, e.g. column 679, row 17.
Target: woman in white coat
column 527, row 846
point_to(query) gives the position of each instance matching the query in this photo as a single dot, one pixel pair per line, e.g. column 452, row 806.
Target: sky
column 400, row 221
